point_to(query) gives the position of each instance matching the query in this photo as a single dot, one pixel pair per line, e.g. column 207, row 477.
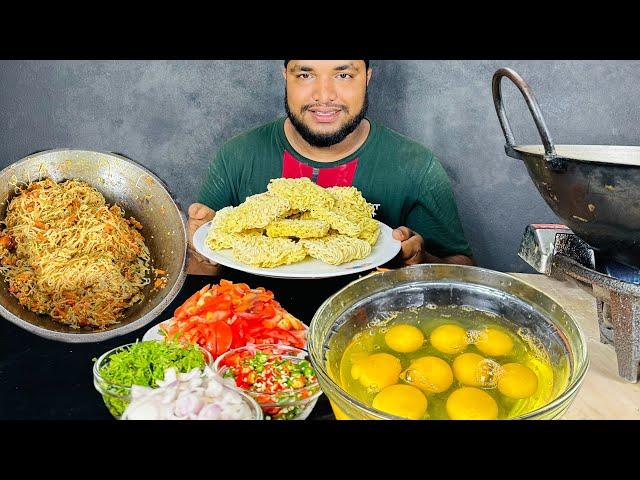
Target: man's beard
column 326, row 139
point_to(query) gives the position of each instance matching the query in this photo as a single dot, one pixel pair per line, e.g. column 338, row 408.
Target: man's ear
column 284, row 72
column 369, row 72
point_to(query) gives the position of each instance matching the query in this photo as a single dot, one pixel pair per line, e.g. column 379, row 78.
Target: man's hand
column 199, row 214
column 412, row 246
column 412, row 250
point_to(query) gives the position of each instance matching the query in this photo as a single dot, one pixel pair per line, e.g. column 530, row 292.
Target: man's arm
column 433, row 231
column 197, row 264
column 413, row 252
column 214, row 193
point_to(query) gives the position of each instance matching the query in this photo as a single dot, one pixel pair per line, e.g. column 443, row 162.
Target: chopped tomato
column 184, row 310
column 230, row 315
column 238, row 328
column 221, row 336
column 279, row 334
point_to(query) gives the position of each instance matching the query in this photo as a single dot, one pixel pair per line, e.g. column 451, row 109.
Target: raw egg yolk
column 468, row 403
column 377, row 371
column 517, row 381
column 475, row 370
column 429, row 374
column 401, row 400
column 404, row 338
column 449, row 339
column 494, row 343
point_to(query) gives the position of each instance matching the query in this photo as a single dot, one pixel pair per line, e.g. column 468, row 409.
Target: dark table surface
column 46, row 379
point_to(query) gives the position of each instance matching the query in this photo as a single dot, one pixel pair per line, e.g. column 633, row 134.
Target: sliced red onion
column 198, row 394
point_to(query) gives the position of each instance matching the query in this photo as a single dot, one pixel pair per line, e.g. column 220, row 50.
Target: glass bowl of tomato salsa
column 279, row 377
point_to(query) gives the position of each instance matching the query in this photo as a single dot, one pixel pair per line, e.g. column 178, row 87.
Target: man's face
column 326, row 99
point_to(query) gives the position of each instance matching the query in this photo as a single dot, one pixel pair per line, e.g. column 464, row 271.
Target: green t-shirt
column 401, row 176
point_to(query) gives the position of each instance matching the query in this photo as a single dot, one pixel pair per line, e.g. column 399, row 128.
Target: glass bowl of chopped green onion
column 144, row 364
column 279, row 377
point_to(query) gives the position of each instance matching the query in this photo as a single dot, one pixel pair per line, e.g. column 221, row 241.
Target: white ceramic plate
column 384, row 250
column 154, row 333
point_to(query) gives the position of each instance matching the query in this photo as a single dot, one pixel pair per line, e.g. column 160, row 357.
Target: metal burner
column 555, row 251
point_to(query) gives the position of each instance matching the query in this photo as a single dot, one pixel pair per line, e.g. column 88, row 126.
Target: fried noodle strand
column 68, row 254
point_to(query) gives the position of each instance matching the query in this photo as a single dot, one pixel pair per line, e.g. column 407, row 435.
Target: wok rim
column 521, row 149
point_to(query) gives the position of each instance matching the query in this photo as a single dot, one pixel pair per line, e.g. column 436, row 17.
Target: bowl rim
column 220, row 369
column 258, row 414
column 566, row 394
column 101, row 358
column 119, row 329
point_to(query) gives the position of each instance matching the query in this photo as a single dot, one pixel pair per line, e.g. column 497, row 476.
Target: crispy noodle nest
column 294, row 219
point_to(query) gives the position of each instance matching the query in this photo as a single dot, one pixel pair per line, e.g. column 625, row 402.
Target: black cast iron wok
column 594, row 189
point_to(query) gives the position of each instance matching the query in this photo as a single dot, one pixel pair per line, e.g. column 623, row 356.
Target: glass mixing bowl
column 286, row 403
column 117, row 397
column 375, row 296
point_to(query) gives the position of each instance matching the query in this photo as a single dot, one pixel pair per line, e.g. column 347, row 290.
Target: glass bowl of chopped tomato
column 279, row 377
column 142, row 364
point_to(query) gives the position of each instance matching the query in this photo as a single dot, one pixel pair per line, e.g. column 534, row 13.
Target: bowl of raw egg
column 446, row 342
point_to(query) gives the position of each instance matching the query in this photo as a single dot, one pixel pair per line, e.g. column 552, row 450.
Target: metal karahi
column 594, row 190
column 140, row 193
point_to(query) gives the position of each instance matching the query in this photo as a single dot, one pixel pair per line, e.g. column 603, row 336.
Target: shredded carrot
column 44, row 219
column 23, row 277
column 6, row 241
column 135, row 223
column 9, row 261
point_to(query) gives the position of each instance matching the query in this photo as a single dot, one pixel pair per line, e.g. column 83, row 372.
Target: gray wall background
column 172, row 116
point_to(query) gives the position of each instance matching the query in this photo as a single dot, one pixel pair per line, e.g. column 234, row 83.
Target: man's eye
column 304, row 75
column 344, row 75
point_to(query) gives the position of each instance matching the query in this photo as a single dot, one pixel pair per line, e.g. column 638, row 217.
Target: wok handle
column 534, row 108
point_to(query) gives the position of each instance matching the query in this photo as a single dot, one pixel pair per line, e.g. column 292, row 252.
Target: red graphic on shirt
column 340, row 176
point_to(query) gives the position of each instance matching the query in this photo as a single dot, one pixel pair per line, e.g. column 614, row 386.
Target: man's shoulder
column 404, row 148
column 256, row 138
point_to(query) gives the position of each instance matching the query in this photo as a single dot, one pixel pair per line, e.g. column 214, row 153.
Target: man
column 327, row 137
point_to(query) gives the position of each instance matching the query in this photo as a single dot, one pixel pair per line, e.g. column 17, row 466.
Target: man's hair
column 366, row 62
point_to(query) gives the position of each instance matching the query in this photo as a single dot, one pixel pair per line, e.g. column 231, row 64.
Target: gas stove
column 556, row 251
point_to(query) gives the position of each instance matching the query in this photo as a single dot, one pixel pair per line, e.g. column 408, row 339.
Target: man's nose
column 325, row 91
